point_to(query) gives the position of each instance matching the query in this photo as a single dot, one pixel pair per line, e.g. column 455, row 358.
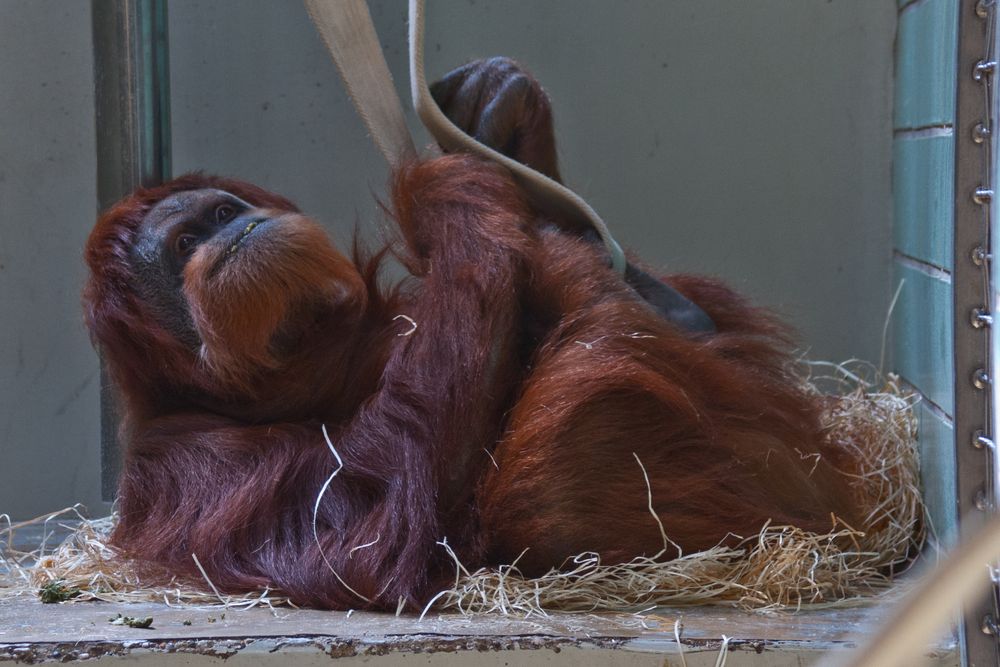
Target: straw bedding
column 781, row 567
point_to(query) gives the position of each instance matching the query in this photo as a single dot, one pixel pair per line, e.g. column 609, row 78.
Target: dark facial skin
column 167, row 238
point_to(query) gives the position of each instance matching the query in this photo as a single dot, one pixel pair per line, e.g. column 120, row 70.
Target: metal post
column 132, row 97
column 975, row 139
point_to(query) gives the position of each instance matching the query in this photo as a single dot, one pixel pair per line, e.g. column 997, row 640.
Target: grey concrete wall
column 746, row 140
column 49, row 380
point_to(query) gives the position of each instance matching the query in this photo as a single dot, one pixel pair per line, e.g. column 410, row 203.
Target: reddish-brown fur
column 527, row 351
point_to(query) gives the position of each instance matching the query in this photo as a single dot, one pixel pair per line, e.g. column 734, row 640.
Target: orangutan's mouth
column 237, row 243
column 246, row 232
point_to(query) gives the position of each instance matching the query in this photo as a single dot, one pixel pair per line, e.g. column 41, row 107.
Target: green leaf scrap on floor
column 131, row 621
column 57, row 591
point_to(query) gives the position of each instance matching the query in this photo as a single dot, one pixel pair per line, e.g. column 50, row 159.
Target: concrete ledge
column 34, row 633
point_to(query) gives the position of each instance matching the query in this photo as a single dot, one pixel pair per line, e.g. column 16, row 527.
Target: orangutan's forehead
column 177, row 203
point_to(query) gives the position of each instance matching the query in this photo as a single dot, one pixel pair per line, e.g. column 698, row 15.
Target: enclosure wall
column 923, row 186
column 745, row 139
column 49, row 379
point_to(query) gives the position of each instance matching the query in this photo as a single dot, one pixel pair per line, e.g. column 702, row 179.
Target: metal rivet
column 980, row 379
column 982, row 196
column 983, row 69
column 980, row 133
column 979, row 255
column 980, row 317
column 989, row 626
column 982, row 501
column 979, row 440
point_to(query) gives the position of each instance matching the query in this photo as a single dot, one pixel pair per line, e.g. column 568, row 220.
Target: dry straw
column 90, row 569
column 781, row 567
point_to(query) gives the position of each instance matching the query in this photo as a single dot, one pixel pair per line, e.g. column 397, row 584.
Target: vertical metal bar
column 991, row 303
column 132, row 97
column 972, row 393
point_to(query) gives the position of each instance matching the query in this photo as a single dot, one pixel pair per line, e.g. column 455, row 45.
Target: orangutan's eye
column 224, row 213
column 185, row 244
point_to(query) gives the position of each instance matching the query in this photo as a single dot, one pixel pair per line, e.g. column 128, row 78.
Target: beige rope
column 545, row 193
column 349, row 34
column 347, row 29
